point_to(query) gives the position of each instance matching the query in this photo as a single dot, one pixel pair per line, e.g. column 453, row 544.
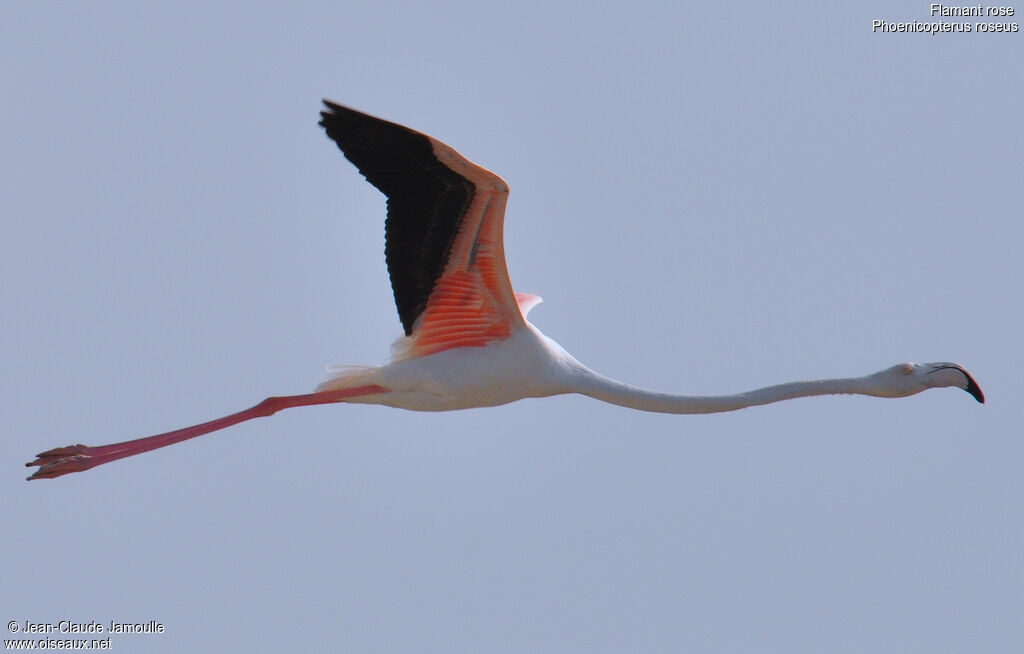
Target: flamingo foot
column 63, row 460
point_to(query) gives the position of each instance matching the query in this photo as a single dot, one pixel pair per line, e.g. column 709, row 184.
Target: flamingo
column 467, row 340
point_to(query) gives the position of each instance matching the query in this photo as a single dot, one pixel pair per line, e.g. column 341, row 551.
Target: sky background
column 709, row 198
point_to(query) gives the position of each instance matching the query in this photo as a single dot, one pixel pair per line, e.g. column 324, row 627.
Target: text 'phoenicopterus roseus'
column 467, row 342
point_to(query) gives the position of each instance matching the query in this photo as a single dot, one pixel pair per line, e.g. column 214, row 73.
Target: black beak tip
column 973, row 388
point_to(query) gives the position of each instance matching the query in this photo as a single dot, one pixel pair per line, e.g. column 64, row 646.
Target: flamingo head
column 910, row 378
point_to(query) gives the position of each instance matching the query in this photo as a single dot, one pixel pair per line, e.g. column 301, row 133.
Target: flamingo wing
column 443, row 233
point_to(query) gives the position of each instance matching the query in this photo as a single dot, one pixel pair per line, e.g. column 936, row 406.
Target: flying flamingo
column 467, row 342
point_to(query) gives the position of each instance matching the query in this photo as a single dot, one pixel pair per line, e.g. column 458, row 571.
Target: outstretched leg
column 76, row 458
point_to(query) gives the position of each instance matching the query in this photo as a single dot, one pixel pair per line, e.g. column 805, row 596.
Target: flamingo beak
column 973, row 388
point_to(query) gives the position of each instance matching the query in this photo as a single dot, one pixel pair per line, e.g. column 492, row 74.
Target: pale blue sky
column 709, row 199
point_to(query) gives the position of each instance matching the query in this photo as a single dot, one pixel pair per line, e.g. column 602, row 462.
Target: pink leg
column 76, row 458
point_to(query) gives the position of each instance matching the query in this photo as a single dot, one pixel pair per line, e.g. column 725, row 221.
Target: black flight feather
column 426, row 200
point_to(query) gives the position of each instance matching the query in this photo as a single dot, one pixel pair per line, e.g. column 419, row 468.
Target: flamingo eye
column 908, row 368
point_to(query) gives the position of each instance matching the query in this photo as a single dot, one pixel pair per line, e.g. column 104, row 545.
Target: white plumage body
column 527, row 364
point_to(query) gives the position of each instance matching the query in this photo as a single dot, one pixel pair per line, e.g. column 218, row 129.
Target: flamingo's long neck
column 615, row 392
